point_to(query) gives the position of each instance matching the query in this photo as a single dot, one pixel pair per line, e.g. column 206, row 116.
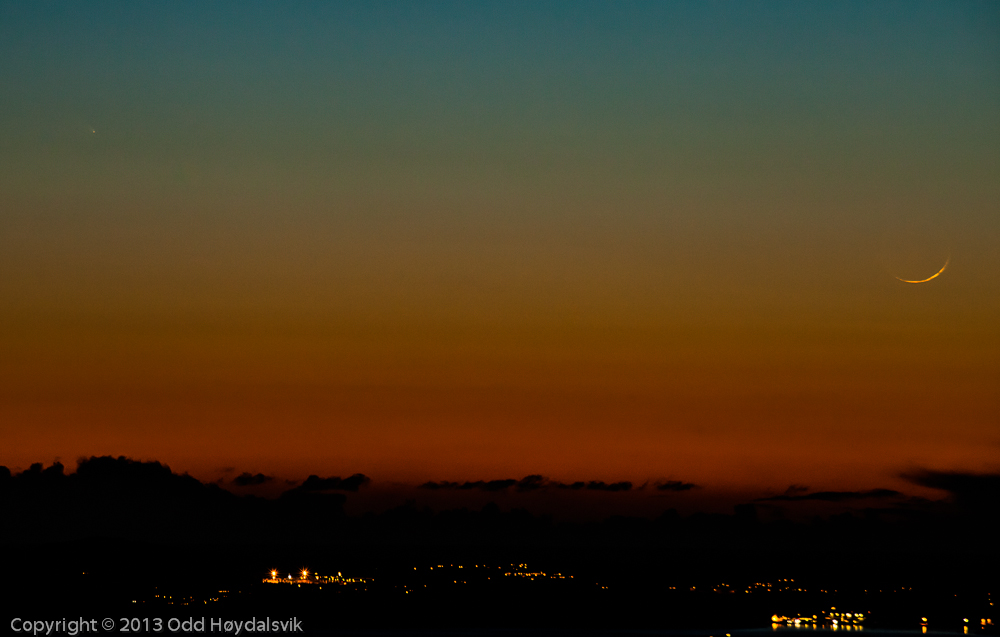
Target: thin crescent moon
column 933, row 276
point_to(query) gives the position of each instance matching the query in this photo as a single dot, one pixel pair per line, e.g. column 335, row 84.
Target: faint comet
column 933, row 276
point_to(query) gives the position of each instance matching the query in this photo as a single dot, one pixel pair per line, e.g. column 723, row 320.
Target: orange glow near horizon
column 736, row 410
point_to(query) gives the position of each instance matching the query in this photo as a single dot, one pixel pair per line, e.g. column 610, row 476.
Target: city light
column 832, row 619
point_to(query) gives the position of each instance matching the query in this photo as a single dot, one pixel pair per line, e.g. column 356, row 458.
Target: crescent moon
column 933, row 276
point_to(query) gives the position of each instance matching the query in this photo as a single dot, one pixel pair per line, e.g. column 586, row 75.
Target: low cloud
column 247, row 479
column 977, row 492
column 316, row 483
column 597, row 485
column 528, row 483
column 831, row 496
column 481, row 485
column 675, row 485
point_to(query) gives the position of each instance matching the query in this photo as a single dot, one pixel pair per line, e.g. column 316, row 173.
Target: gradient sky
column 477, row 240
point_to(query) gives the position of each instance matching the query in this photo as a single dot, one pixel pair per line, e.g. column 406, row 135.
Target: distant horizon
column 590, row 499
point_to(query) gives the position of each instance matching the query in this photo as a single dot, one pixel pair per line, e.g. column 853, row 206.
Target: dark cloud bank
column 792, row 495
column 249, row 479
column 539, row 483
column 123, row 498
column 528, row 483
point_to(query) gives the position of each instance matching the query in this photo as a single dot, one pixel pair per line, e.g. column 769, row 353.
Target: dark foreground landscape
column 132, row 541
column 610, row 588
